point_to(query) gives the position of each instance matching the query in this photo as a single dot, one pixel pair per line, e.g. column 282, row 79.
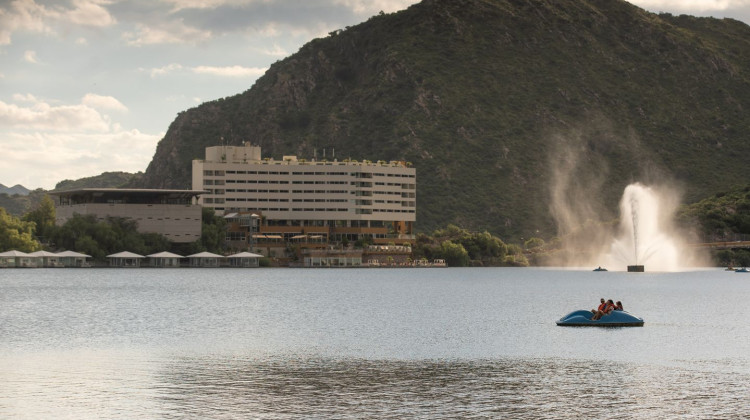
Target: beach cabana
column 17, row 259
column 73, row 259
column 125, row 259
column 244, row 259
column 205, row 259
column 46, row 259
column 164, row 259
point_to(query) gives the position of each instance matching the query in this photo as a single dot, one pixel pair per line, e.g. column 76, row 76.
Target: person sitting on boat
column 601, row 307
column 618, row 306
column 608, row 308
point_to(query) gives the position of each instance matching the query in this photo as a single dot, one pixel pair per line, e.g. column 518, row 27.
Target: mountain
column 104, row 180
column 18, row 205
column 16, row 189
column 519, row 115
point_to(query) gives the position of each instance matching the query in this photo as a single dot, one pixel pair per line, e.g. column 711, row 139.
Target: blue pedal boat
column 582, row 318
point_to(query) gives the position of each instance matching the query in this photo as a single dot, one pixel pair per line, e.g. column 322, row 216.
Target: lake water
column 369, row 343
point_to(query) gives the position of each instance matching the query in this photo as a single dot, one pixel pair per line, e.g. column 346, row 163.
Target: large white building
column 171, row 213
column 310, row 201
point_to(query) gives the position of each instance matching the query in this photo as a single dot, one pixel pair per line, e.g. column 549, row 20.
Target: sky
column 89, row 86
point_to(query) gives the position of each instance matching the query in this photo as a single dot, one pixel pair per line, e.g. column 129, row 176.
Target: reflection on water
column 529, row 389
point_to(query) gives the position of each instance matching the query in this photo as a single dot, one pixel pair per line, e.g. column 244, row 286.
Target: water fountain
column 645, row 232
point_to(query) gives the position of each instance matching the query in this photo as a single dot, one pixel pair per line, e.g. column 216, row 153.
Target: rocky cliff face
column 504, row 107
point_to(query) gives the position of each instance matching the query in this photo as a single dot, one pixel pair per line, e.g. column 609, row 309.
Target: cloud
column 28, row 16
column 692, row 5
column 227, row 71
column 231, row 71
column 175, row 32
column 89, row 13
column 43, row 159
column 275, row 51
column 103, row 102
column 24, row 98
column 357, row 6
column 371, row 7
column 43, row 116
column 161, row 71
column 30, row 57
column 23, row 15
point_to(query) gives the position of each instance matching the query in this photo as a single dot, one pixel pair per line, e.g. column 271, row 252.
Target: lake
column 369, row 343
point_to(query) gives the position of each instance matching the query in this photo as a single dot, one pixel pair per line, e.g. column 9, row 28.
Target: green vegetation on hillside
column 721, row 217
column 104, row 180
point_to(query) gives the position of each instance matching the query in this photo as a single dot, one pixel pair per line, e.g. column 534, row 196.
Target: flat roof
column 129, row 191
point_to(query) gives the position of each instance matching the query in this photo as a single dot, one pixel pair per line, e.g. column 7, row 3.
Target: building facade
column 174, row 214
column 310, row 202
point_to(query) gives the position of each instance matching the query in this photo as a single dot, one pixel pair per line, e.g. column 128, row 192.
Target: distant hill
column 105, row 180
column 16, row 189
column 20, row 204
column 509, row 109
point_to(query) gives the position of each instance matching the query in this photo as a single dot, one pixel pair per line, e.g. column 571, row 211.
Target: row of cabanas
column 168, row 259
column 127, row 259
column 43, row 259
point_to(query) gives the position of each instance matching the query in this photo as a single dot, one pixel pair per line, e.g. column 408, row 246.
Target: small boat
column 582, row 318
column 741, row 270
column 600, row 269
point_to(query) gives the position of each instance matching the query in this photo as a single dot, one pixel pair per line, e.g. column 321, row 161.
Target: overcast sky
column 88, row 86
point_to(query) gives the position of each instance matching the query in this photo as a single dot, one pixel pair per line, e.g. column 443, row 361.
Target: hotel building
column 171, row 213
column 310, row 202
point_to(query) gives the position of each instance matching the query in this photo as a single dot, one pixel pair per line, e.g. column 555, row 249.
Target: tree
column 101, row 238
column 534, row 244
column 454, row 254
column 213, row 232
column 43, row 216
column 17, row 234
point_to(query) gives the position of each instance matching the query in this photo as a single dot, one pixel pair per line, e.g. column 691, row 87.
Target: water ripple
column 435, row 389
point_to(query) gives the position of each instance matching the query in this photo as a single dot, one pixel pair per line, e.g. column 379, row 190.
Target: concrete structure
column 205, row 259
column 17, row 259
column 244, row 259
column 387, row 255
column 171, row 213
column 318, row 201
column 332, row 257
column 47, row 259
column 241, row 229
column 73, row 259
column 125, row 259
column 164, row 260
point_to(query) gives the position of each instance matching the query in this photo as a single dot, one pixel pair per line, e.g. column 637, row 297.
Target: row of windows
column 342, row 210
column 283, row 200
column 242, row 181
column 309, row 200
column 255, row 181
column 276, row 209
column 222, row 173
column 232, row 190
column 239, row 190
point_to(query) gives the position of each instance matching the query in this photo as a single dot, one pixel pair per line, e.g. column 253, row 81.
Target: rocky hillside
column 510, row 110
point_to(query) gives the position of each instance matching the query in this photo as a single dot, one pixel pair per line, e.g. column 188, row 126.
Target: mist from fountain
column 646, row 235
